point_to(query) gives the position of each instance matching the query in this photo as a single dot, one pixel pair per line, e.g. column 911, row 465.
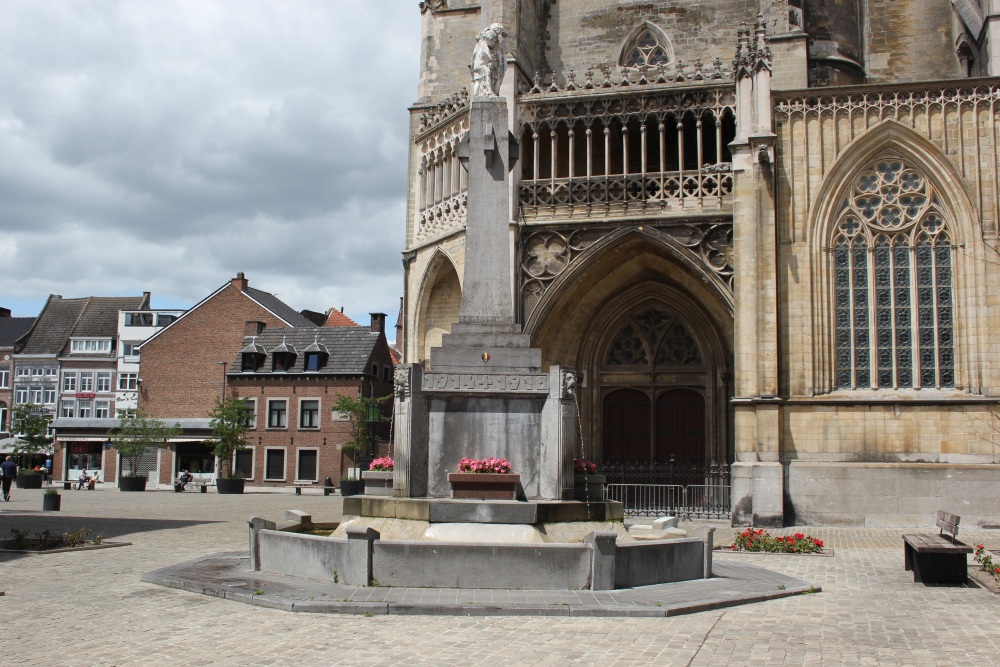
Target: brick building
column 293, row 378
column 182, row 367
column 67, row 363
column 782, row 263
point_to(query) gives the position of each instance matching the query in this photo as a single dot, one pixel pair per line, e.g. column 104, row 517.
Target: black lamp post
column 373, row 417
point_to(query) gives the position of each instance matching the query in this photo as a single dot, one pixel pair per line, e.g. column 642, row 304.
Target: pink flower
column 490, row 465
column 384, row 464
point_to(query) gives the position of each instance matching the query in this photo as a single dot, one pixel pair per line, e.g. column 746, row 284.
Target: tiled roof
column 350, row 349
column 397, row 356
column 93, row 316
column 12, row 328
column 279, row 308
column 336, row 318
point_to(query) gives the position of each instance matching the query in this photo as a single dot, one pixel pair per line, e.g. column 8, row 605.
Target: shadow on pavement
column 111, row 528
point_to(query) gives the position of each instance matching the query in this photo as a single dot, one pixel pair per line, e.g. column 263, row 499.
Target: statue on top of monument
column 488, row 61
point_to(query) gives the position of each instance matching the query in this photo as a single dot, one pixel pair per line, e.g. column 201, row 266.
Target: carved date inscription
column 519, row 383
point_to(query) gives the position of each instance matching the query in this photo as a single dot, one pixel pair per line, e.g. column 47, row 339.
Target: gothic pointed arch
column 887, row 227
column 438, row 302
column 638, row 312
column 646, row 46
column 703, row 266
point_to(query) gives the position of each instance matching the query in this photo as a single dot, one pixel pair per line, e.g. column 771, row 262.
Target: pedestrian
column 8, row 473
column 84, row 481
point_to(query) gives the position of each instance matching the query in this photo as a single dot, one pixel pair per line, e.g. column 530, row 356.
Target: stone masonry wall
column 591, row 33
column 911, row 41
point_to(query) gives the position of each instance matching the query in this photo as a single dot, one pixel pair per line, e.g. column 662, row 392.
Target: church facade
column 763, row 233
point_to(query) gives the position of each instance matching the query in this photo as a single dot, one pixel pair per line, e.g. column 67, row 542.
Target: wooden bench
column 938, row 559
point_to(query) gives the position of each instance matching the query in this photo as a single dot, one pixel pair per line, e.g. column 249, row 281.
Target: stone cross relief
column 489, row 63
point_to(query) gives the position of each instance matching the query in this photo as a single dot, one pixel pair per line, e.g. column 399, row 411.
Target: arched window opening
column 647, row 48
column 892, row 282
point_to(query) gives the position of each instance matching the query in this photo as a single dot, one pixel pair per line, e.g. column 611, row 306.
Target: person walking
column 8, row 473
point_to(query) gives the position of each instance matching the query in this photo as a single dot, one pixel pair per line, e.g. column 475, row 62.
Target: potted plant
column 378, row 477
column 230, row 422
column 587, row 484
column 30, row 425
column 51, row 500
column 363, row 415
column 136, row 434
column 484, row 479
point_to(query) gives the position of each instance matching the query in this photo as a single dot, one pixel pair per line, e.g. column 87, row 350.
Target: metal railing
column 696, row 501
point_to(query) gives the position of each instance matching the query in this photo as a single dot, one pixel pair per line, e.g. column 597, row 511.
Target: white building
column 134, row 327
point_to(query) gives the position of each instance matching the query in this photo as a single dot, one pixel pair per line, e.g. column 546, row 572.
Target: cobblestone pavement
column 91, row 608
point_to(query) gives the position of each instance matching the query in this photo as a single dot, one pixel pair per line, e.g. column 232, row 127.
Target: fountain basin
column 362, row 558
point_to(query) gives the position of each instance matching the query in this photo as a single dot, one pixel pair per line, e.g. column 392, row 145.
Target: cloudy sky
column 164, row 146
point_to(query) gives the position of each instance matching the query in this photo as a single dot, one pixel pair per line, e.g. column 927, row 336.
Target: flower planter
column 588, row 488
column 377, row 482
column 132, row 483
column 232, row 486
column 28, row 481
column 484, row 485
column 51, row 502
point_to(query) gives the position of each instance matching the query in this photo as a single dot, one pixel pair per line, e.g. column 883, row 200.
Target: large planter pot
column 24, row 481
column 51, row 502
column 132, row 483
column 588, row 488
column 484, row 485
column 223, row 485
column 351, row 487
column 377, row 482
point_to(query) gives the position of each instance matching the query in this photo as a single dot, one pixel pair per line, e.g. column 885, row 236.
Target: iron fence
column 686, row 490
column 697, row 501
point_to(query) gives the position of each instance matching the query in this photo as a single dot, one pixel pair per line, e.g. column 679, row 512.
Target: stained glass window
column 645, row 50
column 892, row 283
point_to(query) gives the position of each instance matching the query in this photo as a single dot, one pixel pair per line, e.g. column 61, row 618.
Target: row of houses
column 82, row 360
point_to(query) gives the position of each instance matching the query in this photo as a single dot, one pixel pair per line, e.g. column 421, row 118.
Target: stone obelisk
column 484, row 394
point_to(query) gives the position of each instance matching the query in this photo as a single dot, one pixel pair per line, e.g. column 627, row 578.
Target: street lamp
column 373, row 417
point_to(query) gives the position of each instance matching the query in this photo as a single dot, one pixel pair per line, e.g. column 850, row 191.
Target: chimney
column 378, row 323
column 253, row 328
column 240, row 281
column 145, row 299
column 4, row 312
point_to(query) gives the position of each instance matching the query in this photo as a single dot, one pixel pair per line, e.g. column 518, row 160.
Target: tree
column 137, row 433
column 358, row 410
column 31, row 425
column 230, row 423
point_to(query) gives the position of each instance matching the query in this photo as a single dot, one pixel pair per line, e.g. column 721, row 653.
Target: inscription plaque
column 487, row 383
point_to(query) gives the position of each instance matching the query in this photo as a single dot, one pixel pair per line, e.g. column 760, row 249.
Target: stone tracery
column 892, row 260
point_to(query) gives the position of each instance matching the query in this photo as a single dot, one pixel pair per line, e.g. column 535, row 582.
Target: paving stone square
column 94, row 603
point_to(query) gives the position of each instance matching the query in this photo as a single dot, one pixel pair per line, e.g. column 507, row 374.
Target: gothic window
column 647, row 48
column 892, row 283
column 651, row 334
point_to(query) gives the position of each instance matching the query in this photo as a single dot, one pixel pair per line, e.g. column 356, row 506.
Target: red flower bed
column 759, row 540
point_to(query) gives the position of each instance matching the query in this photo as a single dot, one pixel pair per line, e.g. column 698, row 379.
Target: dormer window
column 90, row 345
column 252, row 357
column 251, row 362
column 283, row 357
column 316, row 355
